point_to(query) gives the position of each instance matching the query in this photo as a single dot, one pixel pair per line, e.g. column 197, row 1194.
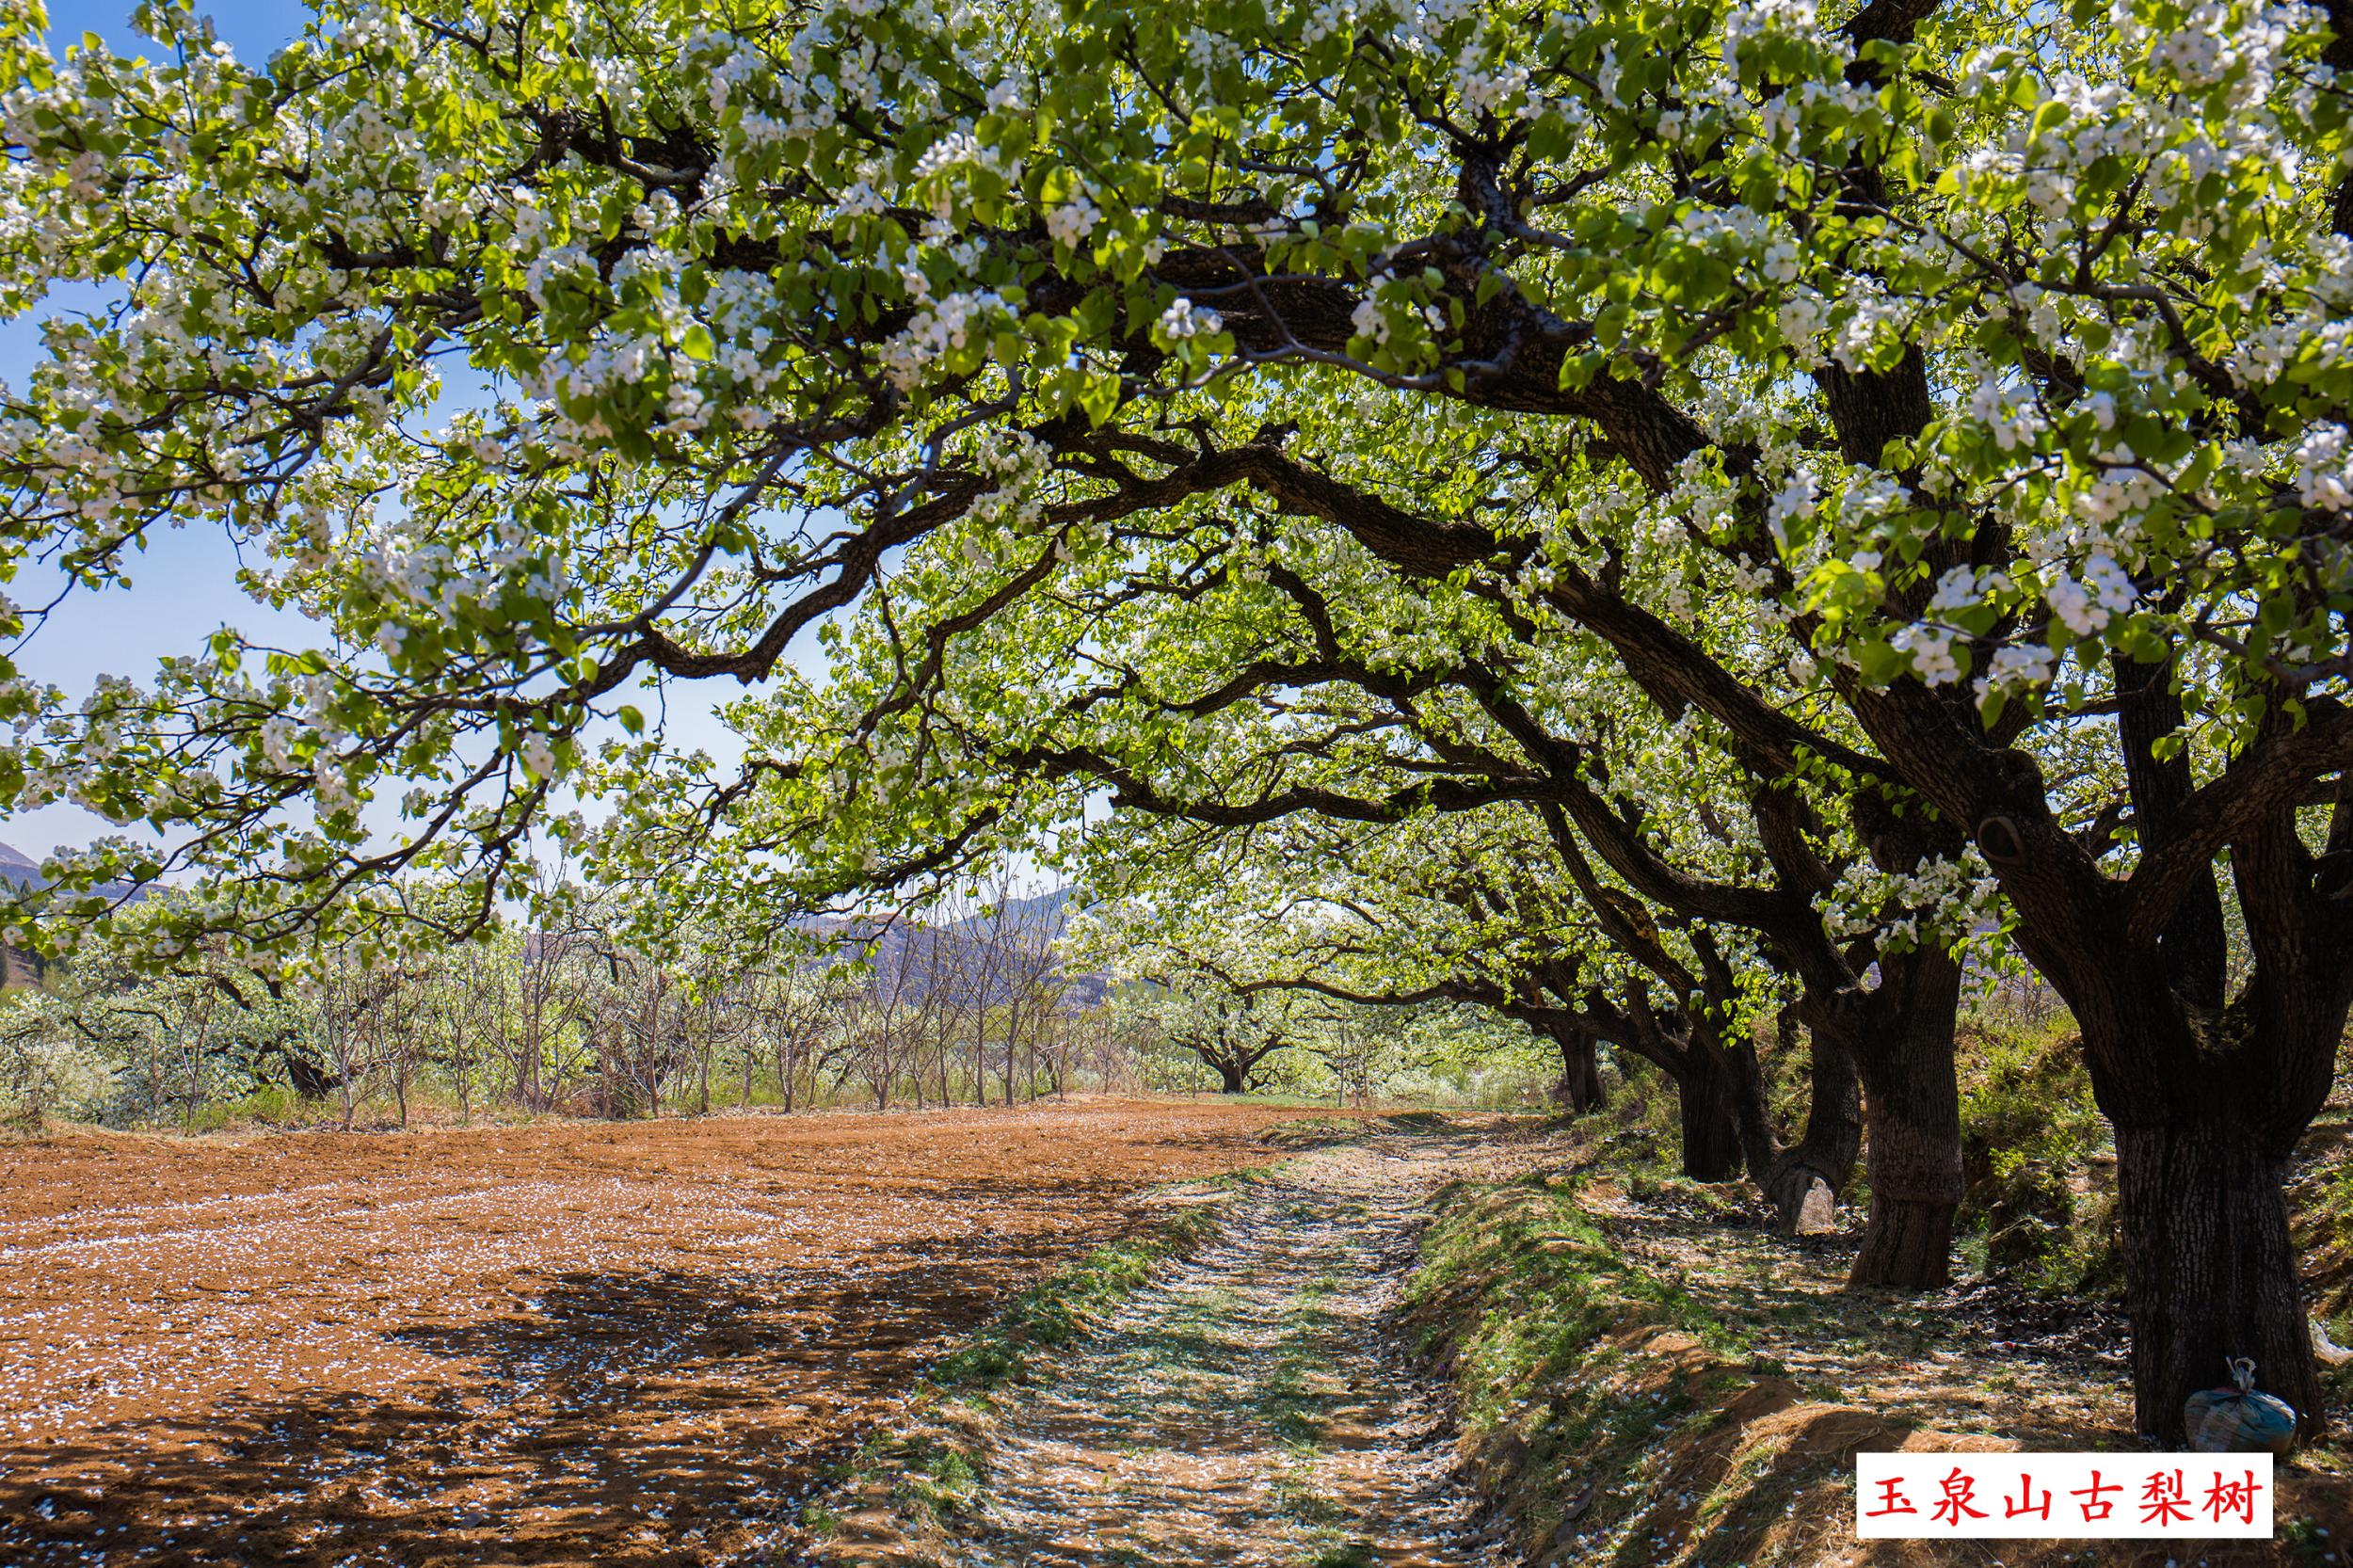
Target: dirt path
column 1254, row 1407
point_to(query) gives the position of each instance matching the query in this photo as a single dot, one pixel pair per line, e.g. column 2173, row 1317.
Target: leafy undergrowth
column 1643, row 1382
column 889, row 1506
column 2040, row 1161
column 2320, row 1199
column 1301, row 1134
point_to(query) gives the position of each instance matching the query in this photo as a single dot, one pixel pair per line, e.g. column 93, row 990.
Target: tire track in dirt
column 1256, row 1407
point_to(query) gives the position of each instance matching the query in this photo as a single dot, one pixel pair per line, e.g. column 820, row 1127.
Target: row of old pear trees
column 1679, row 524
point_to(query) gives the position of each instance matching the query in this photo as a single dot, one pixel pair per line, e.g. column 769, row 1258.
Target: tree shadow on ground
column 645, row 1418
column 1973, row 1350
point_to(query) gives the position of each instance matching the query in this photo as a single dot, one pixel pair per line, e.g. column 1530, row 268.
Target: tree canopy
column 1850, row 481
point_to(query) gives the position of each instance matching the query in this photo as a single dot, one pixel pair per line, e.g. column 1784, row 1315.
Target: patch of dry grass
column 1649, row 1379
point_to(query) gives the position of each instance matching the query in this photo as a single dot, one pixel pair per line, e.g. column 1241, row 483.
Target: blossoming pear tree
column 1207, row 974
column 542, row 354
column 1349, row 700
column 1472, row 908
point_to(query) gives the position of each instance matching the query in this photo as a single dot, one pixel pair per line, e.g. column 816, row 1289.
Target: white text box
column 2057, row 1497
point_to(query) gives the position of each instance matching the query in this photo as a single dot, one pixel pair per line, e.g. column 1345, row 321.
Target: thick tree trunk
column 1914, row 1166
column 1912, row 1118
column 1229, row 1073
column 2211, row 1269
column 1581, row 1089
column 1908, row 1243
column 1708, row 1097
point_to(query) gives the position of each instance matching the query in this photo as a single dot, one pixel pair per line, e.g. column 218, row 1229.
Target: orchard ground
column 651, row 1343
column 632, row 1343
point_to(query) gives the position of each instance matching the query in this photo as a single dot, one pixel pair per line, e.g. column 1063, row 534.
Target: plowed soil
column 559, row 1344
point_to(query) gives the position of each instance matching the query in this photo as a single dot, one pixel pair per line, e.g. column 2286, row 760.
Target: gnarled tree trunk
column 1825, row 1152
column 1707, row 1100
column 2211, row 1269
column 2208, row 1107
column 2208, row 1091
column 1911, row 1117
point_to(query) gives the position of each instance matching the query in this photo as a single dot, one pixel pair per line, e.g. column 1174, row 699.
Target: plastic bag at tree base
column 2238, row 1421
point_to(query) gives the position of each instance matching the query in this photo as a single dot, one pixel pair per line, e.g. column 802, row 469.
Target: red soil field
column 632, row 1344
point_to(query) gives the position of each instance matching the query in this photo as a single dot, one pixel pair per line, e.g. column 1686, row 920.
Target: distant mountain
column 18, row 966
column 22, row 871
column 17, row 867
column 1046, row 912
column 916, row 956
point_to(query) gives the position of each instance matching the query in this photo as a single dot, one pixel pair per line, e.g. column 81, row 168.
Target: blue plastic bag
column 2238, row 1421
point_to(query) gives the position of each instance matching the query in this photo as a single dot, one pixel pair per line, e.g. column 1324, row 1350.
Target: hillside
column 20, row 869
column 1006, row 946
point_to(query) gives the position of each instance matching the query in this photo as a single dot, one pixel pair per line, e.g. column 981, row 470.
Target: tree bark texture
column 2211, row 1269
column 1826, row 1151
column 1581, row 1088
column 1912, row 1116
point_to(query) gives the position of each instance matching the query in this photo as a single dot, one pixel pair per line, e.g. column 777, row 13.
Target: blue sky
column 183, row 585
column 254, row 29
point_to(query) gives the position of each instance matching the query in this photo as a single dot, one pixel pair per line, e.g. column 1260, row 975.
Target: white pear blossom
column 1074, row 220
column 1930, row 648
column 1181, row 320
column 2324, row 469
